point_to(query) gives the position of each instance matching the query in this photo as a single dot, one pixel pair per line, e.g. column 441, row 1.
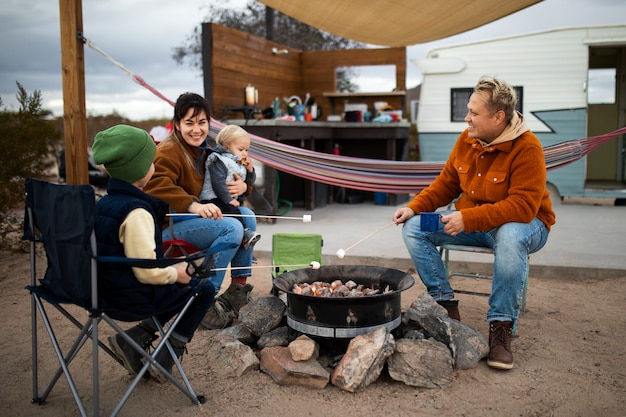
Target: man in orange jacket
column 497, row 174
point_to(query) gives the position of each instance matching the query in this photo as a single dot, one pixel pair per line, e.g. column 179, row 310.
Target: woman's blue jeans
column 206, row 233
column 511, row 243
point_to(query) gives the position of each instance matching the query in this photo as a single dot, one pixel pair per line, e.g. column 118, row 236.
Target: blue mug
column 429, row 221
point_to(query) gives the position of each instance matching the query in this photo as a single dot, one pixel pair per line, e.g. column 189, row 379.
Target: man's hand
column 402, row 214
column 453, row 223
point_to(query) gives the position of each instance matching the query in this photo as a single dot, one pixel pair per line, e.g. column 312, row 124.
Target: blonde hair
column 229, row 134
column 501, row 95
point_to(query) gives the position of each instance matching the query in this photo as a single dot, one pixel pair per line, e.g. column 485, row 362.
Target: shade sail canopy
column 397, row 23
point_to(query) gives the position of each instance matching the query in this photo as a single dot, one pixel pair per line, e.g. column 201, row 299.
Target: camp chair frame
column 41, row 294
column 445, row 249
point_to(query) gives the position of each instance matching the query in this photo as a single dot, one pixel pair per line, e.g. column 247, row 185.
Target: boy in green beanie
column 128, row 224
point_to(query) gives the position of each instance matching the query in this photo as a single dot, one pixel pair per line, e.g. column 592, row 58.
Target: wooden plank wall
column 233, row 59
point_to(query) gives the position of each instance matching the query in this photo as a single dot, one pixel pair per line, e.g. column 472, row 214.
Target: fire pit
column 344, row 317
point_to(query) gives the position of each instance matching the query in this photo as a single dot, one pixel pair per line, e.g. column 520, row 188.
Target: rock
column 439, row 329
column 241, row 333
column 276, row 337
column 304, row 348
column 424, row 306
column 470, row 345
column 421, row 363
column 414, row 334
column 277, row 362
column 427, row 348
column 231, row 357
column 262, row 314
column 466, row 344
column 364, row 360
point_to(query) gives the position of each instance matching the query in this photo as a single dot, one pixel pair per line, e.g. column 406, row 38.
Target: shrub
column 27, row 145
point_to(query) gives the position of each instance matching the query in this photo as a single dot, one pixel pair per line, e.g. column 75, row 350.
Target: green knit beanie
column 125, row 151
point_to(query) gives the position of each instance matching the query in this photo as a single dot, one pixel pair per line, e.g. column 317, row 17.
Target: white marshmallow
column 341, row 253
column 306, row 218
column 315, row 265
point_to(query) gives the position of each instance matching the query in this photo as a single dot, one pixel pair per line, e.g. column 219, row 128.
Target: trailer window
column 460, row 96
column 602, row 82
column 459, row 99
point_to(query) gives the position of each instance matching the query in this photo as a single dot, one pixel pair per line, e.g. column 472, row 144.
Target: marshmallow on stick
column 341, row 253
column 312, row 264
column 306, row 218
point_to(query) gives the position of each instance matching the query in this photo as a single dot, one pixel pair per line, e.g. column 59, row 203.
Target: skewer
column 313, row 265
column 306, row 218
column 342, row 252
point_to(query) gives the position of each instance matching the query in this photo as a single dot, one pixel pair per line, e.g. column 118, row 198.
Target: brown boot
column 452, row 307
column 500, row 355
column 217, row 317
column 130, row 357
column 237, row 296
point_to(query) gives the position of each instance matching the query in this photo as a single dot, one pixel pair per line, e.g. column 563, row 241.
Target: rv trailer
column 571, row 84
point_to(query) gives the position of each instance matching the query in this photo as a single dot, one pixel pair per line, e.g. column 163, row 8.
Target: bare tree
column 254, row 19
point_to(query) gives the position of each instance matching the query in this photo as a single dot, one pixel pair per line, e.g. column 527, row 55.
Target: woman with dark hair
column 178, row 179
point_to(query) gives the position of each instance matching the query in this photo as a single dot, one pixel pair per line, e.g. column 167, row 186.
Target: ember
column 336, row 288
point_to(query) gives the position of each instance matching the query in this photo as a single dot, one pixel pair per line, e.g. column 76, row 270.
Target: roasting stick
column 342, row 252
column 306, row 218
column 313, row 265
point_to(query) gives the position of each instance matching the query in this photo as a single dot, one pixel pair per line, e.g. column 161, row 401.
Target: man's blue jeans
column 205, row 233
column 511, row 243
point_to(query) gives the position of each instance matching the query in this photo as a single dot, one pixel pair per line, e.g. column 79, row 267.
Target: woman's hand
column 237, row 187
column 209, row 210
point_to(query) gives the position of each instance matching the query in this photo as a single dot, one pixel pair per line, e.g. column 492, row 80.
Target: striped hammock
column 378, row 175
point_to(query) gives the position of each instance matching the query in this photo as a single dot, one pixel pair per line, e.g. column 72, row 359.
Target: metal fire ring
column 339, row 332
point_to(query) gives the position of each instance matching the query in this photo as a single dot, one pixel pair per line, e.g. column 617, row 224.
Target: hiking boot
column 217, row 316
column 165, row 360
column 237, row 296
column 123, row 350
column 452, row 307
column 250, row 238
column 500, row 355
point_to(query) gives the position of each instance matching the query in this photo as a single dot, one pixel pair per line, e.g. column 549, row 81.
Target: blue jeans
column 205, row 233
column 511, row 243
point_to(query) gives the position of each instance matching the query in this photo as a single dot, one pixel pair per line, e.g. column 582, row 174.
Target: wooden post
column 73, row 75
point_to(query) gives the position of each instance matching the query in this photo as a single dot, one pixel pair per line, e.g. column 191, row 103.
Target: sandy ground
column 568, row 362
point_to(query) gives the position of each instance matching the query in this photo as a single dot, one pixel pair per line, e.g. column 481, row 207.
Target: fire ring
column 344, row 317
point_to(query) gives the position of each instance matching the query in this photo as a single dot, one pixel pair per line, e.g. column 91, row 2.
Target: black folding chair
column 62, row 219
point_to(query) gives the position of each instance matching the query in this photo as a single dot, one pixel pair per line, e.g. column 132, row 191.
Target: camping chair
column 175, row 247
column 445, row 253
column 292, row 250
column 62, row 219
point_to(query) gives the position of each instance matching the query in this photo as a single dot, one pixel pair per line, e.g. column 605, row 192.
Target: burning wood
column 336, row 288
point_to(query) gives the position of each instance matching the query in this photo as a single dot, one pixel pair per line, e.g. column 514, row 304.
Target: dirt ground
column 569, row 361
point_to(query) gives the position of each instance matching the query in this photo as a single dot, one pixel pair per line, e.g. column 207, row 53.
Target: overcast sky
column 141, row 35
